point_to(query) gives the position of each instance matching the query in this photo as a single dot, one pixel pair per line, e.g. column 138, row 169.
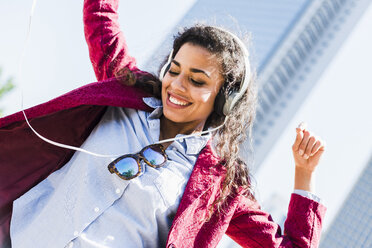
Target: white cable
column 23, row 111
column 74, row 147
column 192, row 135
column 68, row 146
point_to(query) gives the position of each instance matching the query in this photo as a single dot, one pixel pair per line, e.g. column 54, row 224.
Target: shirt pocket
column 170, row 186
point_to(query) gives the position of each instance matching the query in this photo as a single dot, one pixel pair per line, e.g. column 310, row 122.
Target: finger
column 299, row 135
column 316, row 147
column 319, row 153
column 302, row 125
column 309, row 146
column 298, row 140
column 305, row 139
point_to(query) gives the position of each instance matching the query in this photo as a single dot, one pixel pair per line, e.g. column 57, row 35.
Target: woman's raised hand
column 307, row 149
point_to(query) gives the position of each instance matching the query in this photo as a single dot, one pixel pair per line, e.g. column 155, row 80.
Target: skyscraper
column 294, row 43
column 352, row 227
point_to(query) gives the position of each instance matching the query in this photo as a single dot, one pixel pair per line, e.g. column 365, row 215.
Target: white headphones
column 222, row 105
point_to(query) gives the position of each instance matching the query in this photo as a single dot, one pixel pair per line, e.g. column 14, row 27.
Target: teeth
column 175, row 101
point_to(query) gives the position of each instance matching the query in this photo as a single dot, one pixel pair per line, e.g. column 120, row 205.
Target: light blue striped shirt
column 84, row 205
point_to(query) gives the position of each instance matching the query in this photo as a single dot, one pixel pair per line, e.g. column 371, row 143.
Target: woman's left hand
column 307, row 149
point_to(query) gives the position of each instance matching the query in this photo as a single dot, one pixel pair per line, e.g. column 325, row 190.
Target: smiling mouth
column 177, row 101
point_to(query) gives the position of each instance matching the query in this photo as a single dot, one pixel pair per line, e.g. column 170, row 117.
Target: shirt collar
column 156, row 104
column 152, row 102
column 195, row 144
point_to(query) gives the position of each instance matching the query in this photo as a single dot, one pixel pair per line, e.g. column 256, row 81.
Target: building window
column 328, row 9
column 317, row 25
column 310, row 33
column 322, row 16
column 293, row 58
column 283, row 79
column 287, row 66
column 305, row 42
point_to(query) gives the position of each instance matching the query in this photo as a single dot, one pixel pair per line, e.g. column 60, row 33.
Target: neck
column 169, row 129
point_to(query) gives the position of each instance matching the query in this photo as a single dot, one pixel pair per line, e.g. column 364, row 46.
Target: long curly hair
column 238, row 126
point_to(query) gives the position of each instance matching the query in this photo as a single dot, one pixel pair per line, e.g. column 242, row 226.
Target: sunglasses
column 129, row 166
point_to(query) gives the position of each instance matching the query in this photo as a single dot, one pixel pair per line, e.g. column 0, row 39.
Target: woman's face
column 191, row 85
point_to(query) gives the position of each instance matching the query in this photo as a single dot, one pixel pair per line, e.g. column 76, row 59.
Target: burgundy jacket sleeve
column 107, row 47
column 252, row 227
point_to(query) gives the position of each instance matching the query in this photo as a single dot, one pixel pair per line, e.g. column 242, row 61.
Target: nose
column 180, row 83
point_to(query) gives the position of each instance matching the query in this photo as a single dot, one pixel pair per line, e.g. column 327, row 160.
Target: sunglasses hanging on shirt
column 129, row 166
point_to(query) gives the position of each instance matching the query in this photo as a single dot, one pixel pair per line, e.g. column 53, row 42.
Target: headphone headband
column 234, row 97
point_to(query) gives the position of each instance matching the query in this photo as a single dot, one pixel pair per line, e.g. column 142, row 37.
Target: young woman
column 187, row 192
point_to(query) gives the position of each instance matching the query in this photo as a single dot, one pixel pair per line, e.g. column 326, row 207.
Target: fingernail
column 301, row 152
column 302, row 125
column 306, row 156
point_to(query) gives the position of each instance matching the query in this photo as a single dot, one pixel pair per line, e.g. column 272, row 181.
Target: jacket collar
column 105, row 93
column 207, row 174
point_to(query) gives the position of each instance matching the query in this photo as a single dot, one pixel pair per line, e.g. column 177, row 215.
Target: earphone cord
column 194, row 134
column 21, row 88
column 74, row 147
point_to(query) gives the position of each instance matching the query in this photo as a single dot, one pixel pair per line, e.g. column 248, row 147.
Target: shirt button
column 181, row 140
column 117, row 191
column 76, row 233
column 96, row 209
column 174, row 149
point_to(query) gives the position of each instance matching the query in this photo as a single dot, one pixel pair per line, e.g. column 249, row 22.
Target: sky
column 337, row 109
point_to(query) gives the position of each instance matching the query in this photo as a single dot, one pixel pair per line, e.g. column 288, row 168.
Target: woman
column 199, row 192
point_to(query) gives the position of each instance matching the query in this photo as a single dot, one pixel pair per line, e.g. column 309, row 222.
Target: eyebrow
column 192, row 69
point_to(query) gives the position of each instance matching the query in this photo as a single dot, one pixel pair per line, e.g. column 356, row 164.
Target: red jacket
column 26, row 160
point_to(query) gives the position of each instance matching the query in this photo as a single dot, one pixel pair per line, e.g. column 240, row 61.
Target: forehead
column 198, row 57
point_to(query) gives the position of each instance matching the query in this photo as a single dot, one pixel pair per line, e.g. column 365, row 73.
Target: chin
column 174, row 117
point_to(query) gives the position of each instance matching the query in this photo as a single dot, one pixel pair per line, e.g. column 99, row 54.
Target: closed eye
column 197, row 83
column 194, row 82
column 173, row 72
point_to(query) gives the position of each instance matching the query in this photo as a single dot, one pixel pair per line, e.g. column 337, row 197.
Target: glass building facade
column 352, row 227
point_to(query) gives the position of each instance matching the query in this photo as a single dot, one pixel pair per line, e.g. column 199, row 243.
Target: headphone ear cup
column 229, row 104
column 219, row 103
column 164, row 70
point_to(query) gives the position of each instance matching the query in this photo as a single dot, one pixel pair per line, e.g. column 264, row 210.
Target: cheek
column 206, row 97
column 206, row 100
column 164, row 85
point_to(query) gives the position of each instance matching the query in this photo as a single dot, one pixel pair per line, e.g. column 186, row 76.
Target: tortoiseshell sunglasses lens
column 127, row 167
column 154, row 156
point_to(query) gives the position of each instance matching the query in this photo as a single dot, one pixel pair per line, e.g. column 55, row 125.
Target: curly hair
column 239, row 123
